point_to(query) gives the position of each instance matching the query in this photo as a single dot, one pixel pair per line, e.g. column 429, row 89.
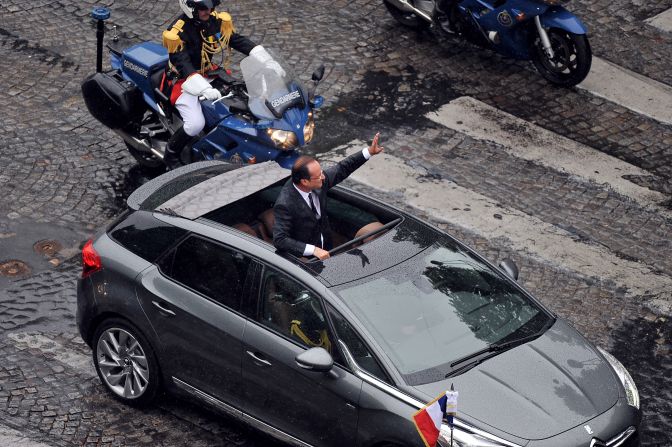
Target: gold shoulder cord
column 295, row 329
column 171, row 38
column 211, row 46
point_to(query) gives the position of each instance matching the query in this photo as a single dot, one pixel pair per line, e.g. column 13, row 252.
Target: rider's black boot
column 174, row 149
column 443, row 15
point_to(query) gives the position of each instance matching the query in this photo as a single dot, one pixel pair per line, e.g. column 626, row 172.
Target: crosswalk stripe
column 662, row 21
column 81, row 363
column 446, row 201
column 631, row 90
column 531, row 142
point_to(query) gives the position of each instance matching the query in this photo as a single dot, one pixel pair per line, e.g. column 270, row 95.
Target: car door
column 320, row 409
column 192, row 300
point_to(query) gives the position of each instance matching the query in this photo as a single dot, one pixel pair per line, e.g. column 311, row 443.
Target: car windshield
column 440, row 306
column 271, row 90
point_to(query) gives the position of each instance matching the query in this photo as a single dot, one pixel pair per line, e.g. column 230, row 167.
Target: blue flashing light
column 100, row 13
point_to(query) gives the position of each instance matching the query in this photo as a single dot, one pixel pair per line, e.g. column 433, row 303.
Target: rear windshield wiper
column 493, row 348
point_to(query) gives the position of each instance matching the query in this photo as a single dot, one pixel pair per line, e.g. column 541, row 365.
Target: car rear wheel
column 125, row 362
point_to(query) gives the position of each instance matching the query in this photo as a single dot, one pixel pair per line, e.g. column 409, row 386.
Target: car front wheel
column 125, row 362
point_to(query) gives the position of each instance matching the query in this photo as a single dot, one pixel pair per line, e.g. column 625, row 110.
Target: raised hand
column 375, row 149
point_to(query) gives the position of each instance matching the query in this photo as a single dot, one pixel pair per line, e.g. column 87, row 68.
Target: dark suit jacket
column 295, row 223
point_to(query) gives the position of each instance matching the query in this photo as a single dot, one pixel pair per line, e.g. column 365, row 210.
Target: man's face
column 203, row 14
column 316, row 176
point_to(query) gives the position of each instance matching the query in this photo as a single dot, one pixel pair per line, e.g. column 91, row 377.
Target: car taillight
column 90, row 259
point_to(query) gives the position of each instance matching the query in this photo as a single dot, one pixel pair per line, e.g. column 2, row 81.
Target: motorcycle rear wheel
column 407, row 19
column 146, row 159
column 571, row 60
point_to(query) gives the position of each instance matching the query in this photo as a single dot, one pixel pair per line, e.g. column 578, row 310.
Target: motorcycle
column 268, row 116
column 542, row 31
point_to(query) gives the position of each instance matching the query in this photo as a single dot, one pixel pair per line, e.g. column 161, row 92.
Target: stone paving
column 62, row 167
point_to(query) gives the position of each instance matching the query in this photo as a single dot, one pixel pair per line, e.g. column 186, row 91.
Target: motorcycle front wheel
column 407, row 19
column 571, row 59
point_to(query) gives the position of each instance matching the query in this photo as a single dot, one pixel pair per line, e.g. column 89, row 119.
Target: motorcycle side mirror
column 318, row 74
column 510, row 268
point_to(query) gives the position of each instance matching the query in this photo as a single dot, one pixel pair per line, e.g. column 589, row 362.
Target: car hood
column 538, row 389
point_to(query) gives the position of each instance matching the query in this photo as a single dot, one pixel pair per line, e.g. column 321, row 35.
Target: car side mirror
column 315, row 359
column 510, row 268
column 318, row 74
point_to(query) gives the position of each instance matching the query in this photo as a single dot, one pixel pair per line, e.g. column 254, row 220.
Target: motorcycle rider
column 192, row 41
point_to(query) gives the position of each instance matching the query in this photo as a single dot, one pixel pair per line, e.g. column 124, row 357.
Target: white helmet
column 190, row 6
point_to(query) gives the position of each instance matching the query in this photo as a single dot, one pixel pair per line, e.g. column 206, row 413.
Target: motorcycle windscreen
column 270, row 93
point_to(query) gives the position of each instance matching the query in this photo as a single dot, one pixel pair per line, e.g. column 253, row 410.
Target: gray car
column 185, row 292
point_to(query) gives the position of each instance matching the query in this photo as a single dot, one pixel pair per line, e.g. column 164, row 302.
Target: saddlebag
column 112, row 100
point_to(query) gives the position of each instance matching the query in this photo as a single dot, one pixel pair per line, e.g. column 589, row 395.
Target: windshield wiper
column 494, row 348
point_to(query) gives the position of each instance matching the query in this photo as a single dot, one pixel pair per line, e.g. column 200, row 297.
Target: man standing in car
column 301, row 223
column 193, row 41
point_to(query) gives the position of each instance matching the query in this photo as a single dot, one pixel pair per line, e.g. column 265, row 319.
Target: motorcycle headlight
column 283, row 139
column 463, row 438
column 631, row 393
column 309, row 128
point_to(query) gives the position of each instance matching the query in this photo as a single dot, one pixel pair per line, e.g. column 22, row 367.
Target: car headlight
column 631, row 392
column 283, row 139
column 309, row 128
column 463, row 438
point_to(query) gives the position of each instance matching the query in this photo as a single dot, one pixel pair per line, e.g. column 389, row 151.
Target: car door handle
column 163, row 309
column 258, row 359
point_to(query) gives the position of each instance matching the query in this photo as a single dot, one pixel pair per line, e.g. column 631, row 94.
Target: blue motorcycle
column 542, row 31
column 268, row 116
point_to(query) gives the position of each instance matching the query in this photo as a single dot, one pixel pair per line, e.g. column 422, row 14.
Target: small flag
column 428, row 420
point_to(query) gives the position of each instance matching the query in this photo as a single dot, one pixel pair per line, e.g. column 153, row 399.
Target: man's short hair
column 300, row 169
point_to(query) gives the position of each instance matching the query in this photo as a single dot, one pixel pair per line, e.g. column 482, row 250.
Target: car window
column 294, row 311
column 209, row 268
column 356, row 346
column 438, row 307
column 146, row 236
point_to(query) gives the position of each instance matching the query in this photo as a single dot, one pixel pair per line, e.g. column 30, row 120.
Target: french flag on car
column 428, row 419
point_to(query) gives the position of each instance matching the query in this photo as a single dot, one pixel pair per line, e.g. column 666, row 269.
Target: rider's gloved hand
column 197, row 85
column 264, row 58
column 211, row 94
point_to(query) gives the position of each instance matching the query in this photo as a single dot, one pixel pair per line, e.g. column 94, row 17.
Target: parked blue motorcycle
column 266, row 117
column 538, row 30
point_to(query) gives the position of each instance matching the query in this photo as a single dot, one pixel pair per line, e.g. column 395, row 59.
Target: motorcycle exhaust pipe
column 405, row 6
column 137, row 143
column 100, row 15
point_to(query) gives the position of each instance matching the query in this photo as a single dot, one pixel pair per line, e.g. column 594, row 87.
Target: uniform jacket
column 184, row 40
column 295, row 223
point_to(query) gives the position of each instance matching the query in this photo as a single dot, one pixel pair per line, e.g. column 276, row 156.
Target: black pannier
column 112, row 100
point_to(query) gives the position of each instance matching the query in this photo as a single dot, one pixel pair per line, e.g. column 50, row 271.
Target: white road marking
column 662, row 21
column 630, row 90
column 530, row 142
column 83, row 364
column 15, row 438
column 445, row 201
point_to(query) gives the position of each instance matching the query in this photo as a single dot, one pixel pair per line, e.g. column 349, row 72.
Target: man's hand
column 375, row 149
column 321, row 254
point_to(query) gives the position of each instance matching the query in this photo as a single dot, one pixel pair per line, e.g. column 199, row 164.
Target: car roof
column 193, row 191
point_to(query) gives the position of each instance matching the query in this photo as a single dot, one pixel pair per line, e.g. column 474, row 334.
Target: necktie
column 311, row 199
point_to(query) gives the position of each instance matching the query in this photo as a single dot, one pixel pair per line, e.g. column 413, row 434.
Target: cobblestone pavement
column 64, row 174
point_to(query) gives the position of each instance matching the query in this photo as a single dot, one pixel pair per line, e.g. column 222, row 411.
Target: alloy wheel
column 122, row 363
